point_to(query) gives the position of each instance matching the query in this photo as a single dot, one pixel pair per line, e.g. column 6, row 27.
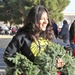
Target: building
column 69, row 16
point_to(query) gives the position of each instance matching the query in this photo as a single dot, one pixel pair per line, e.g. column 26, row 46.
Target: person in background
column 28, row 39
column 72, row 36
column 64, row 33
column 55, row 27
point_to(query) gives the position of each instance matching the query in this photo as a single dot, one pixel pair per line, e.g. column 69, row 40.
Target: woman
column 30, row 36
column 72, row 37
column 64, row 33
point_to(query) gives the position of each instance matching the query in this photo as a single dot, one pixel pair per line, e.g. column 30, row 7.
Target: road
column 4, row 40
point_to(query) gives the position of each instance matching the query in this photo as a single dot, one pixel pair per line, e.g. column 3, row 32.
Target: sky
column 70, row 7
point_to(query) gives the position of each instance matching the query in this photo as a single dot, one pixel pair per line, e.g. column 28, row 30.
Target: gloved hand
column 60, row 37
column 60, row 63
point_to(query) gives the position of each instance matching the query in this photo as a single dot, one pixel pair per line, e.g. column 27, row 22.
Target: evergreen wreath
column 44, row 63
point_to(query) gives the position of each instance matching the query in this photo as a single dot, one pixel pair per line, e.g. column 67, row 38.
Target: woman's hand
column 60, row 37
column 60, row 63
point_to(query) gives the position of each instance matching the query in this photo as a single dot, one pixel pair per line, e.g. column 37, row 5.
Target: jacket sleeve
column 10, row 51
column 63, row 30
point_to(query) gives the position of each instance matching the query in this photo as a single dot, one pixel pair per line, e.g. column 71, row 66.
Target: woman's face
column 43, row 21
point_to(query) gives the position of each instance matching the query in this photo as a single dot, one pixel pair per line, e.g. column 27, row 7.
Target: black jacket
column 20, row 43
column 71, row 32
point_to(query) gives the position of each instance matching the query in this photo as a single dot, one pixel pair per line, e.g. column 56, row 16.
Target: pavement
column 4, row 41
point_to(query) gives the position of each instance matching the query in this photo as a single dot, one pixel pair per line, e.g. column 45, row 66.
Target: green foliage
column 14, row 10
column 55, row 8
column 22, row 65
column 45, row 62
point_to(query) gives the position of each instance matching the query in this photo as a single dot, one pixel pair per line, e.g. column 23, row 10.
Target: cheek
column 47, row 21
column 40, row 24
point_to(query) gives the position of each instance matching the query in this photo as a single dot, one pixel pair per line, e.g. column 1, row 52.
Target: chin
column 43, row 29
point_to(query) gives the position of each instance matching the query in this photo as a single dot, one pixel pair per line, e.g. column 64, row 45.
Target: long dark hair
column 30, row 23
column 65, row 22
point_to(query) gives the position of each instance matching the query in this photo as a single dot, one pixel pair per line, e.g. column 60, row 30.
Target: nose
column 45, row 20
